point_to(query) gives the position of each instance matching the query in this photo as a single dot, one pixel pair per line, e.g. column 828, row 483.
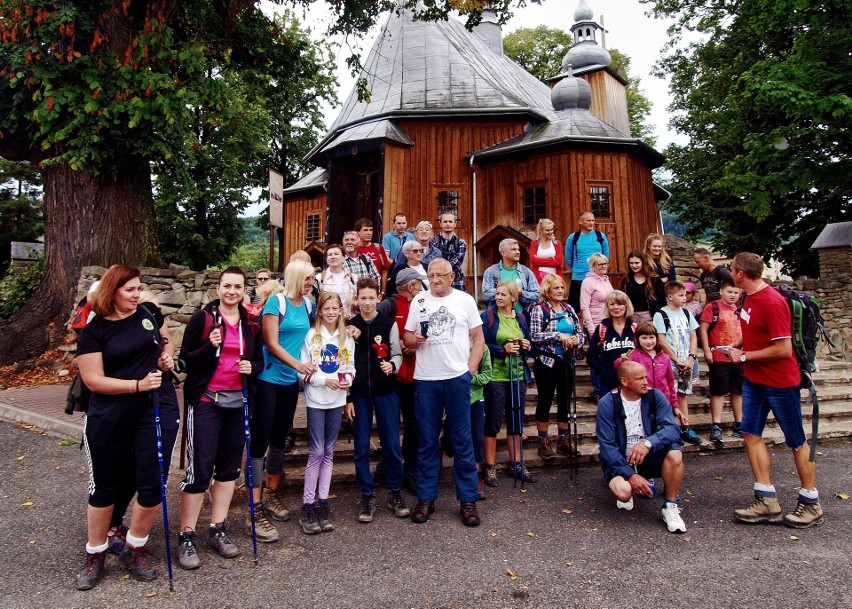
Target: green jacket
column 481, row 378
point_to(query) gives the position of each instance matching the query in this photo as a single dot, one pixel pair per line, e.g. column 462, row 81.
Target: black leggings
column 549, row 380
column 272, row 417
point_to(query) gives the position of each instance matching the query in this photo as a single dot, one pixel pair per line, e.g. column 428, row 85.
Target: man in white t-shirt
column 444, row 326
column 639, row 440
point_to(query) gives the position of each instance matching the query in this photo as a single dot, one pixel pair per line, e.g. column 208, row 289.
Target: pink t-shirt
column 227, row 376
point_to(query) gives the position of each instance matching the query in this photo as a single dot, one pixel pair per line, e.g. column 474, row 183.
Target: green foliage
column 253, row 232
column 16, row 288
column 20, row 208
column 251, row 256
column 764, row 99
column 540, row 52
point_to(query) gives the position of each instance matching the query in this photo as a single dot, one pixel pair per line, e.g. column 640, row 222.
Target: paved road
column 567, row 545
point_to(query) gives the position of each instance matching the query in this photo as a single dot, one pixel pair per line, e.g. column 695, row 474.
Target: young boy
column 373, row 390
column 677, row 337
column 720, row 330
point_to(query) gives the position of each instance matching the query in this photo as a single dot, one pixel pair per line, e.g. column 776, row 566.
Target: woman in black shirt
column 643, row 287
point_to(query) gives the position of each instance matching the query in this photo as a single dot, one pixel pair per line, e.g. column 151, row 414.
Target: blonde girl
column 659, row 259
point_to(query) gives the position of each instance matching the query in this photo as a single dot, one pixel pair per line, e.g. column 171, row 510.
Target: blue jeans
column 433, row 399
column 477, row 429
column 786, row 407
column 386, row 408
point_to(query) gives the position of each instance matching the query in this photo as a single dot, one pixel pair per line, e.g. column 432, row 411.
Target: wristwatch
column 742, row 357
column 647, row 443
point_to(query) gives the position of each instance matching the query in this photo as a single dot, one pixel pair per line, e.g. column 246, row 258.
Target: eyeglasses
column 602, row 264
column 416, row 250
column 436, row 275
column 262, row 279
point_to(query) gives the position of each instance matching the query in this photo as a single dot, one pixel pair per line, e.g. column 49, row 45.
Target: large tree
column 762, row 90
column 97, row 91
column 540, row 51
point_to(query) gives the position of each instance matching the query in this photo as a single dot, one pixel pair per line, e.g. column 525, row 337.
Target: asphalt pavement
column 556, row 545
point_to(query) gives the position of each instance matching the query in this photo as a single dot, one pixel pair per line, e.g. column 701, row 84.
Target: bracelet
column 137, row 385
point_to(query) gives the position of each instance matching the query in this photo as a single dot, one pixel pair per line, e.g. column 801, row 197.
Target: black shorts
column 574, row 294
column 214, row 447
column 726, row 377
column 652, row 466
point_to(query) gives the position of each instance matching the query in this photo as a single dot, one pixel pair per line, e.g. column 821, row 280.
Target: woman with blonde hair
column 556, row 333
column 546, row 255
column 614, row 337
column 286, row 321
column 659, row 259
column 595, row 287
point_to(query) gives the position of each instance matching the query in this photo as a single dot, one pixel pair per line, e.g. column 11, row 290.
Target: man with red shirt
column 771, row 383
column 373, row 251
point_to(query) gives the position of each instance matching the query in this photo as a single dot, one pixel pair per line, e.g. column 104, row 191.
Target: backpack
column 668, row 322
column 210, row 322
column 77, row 399
column 807, row 325
column 282, row 306
column 80, row 318
column 576, row 238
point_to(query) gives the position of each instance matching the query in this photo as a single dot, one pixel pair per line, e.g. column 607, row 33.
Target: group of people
column 382, row 334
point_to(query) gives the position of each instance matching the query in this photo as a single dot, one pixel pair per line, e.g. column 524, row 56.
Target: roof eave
column 653, row 158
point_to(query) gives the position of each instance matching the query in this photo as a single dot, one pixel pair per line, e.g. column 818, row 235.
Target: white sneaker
column 624, row 505
column 671, row 516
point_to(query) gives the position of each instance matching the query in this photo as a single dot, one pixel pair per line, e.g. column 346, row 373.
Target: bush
column 251, row 256
column 16, row 288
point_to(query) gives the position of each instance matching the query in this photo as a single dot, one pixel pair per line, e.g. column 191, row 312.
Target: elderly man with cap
column 423, row 235
column 409, row 283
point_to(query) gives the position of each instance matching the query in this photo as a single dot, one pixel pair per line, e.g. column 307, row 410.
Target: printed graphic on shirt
column 328, row 360
column 442, row 327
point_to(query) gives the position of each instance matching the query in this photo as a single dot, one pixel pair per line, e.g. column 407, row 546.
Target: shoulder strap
column 208, row 325
column 575, row 237
column 714, row 306
column 282, row 304
column 600, row 239
column 666, row 321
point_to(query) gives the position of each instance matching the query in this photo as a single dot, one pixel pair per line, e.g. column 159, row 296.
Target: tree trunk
column 88, row 220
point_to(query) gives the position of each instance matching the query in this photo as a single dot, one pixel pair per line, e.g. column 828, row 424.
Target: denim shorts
column 785, row 405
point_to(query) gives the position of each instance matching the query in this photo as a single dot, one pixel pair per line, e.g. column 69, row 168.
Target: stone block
column 175, row 298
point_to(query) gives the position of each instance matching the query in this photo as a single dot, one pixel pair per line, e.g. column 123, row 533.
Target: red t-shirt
column 766, row 317
column 380, row 261
column 727, row 329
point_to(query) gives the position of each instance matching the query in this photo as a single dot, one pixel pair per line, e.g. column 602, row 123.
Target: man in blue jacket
column 639, row 440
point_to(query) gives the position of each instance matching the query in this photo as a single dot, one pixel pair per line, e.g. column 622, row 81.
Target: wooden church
column 452, row 124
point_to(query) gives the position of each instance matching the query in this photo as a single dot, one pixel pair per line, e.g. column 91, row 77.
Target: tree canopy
column 762, row 90
column 540, row 51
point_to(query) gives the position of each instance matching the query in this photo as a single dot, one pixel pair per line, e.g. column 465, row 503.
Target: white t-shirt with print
column 682, row 323
column 450, row 319
column 633, row 422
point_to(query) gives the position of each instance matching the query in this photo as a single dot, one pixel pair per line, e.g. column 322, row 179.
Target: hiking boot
column 671, row 516
column 116, row 538
column 368, row 507
column 264, row 529
column 92, row 571
column 563, row 446
column 397, row 505
column 762, row 509
column 186, row 551
column 138, row 562
column 220, row 542
column 469, row 514
column 689, row 436
column 289, row 442
column 482, row 494
column 716, row 433
column 274, row 506
column 624, row 505
column 738, row 430
column 323, row 512
column 805, row 515
column 491, row 475
column 422, row 511
column 545, row 448
column 520, row 472
column 308, row 520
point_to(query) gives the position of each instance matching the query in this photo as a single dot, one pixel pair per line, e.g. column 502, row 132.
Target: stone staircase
column 834, row 388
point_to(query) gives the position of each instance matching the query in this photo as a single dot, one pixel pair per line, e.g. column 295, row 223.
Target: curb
column 65, row 428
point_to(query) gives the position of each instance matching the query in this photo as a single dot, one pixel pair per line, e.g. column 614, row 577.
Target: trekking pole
column 155, row 399
column 519, row 371
column 249, row 475
column 575, row 448
column 509, row 438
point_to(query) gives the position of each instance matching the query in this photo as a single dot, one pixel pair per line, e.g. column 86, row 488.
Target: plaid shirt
column 545, row 338
column 452, row 250
column 361, row 266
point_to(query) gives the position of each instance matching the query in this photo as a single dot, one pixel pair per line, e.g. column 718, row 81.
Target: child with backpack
column 720, row 330
column 657, row 364
column 676, row 332
column 332, row 351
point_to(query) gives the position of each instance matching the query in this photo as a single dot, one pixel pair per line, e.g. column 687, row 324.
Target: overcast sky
column 628, row 29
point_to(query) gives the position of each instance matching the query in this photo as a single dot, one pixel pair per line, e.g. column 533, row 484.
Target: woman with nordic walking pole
column 221, row 347
column 556, row 334
column 121, row 362
column 507, row 337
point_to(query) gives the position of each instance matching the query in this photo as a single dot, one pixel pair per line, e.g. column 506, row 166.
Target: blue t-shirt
column 563, row 326
column 587, row 245
column 292, row 329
